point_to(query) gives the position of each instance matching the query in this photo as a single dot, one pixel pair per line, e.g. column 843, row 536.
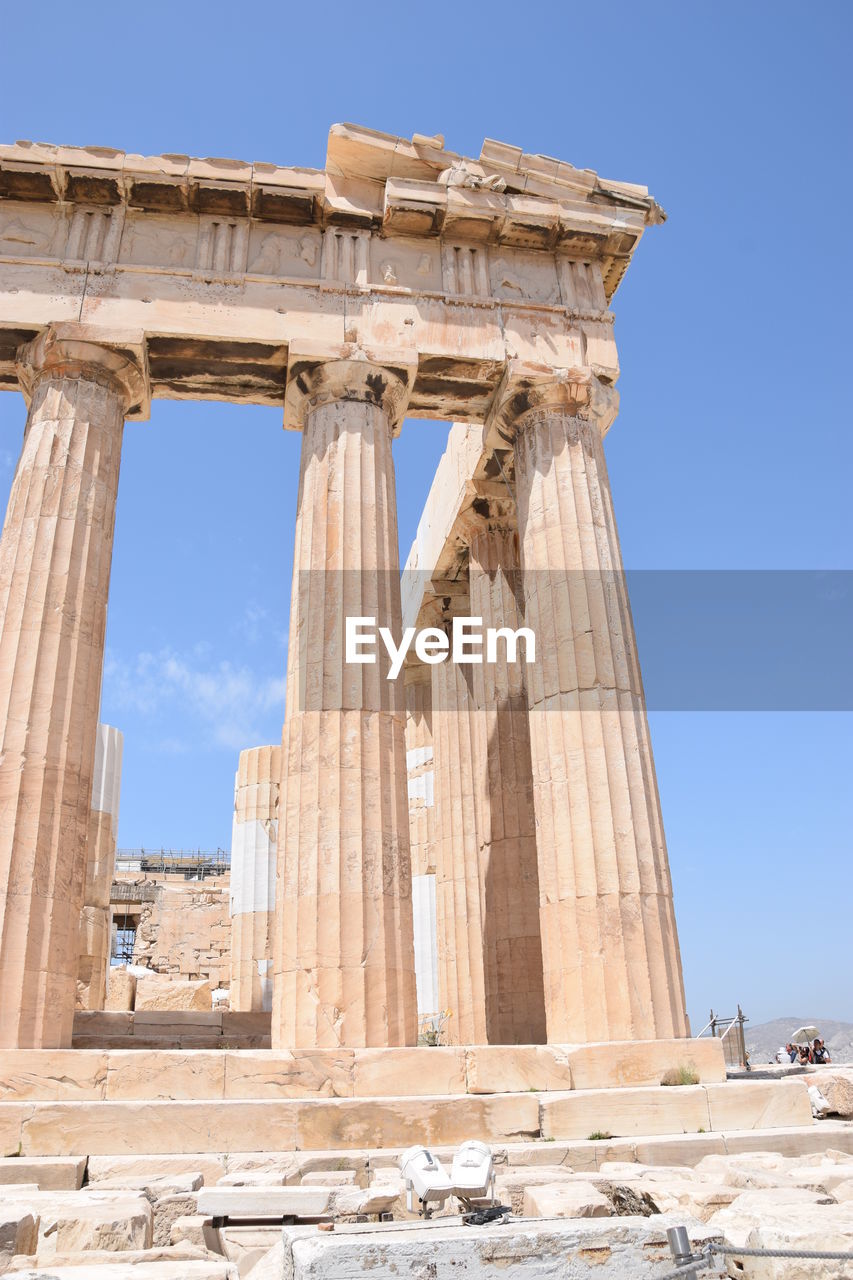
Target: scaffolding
column 124, row 937
column 731, row 1032
column 191, row 864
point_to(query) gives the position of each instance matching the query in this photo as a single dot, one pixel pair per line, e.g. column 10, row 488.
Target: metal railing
column 690, row 1262
column 432, row 1027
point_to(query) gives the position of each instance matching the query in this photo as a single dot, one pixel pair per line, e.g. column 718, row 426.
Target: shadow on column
column 515, row 997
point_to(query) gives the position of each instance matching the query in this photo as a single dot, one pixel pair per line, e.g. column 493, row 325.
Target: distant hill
column 765, row 1038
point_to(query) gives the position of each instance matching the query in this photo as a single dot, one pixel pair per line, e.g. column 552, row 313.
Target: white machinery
column 425, row 1179
column 473, row 1174
column 472, row 1182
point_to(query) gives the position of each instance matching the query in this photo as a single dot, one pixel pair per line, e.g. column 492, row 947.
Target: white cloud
column 232, row 703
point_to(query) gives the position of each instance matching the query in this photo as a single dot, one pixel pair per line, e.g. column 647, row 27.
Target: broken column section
column 96, row 916
column 254, row 847
column 421, row 777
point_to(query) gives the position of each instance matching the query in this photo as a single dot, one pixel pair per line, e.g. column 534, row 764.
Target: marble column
column 96, row 916
column 512, row 947
column 54, row 579
column 421, row 777
column 419, row 767
column 612, row 967
column 343, row 950
column 459, row 766
column 254, row 844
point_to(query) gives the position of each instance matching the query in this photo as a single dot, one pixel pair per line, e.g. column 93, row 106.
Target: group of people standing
column 815, row 1053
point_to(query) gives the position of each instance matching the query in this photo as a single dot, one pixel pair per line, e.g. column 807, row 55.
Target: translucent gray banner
column 707, row 640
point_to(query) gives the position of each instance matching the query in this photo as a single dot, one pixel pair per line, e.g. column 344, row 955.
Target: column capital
column 526, row 390
column 322, row 373
column 113, row 358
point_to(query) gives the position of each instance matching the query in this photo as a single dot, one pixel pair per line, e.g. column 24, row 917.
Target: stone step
column 618, row 1247
column 680, row 1149
column 216, row 1074
column 309, row 1200
column 303, row 1124
column 48, row 1173
column 137, row 1168
column 367, row 1163
column 265, row 1202
column 170, row 1029
column 165, row 1043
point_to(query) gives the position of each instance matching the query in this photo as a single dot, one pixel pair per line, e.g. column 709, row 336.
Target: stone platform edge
column 579, row 1156
column 77, row 1075
column 170, row 1029
column 309, row 1124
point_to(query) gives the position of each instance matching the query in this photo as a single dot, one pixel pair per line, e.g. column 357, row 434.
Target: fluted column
column 96, row 916
column 512, row 948
column 54, row 581
column 459, row 767
column 420, row 767
column 254, row 844
column 610, row 950
column 420, row 770
column 343, row 956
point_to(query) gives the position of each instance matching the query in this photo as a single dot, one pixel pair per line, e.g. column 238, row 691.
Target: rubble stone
column 74, row 1221
column 19, row 1229
column 837, row 1087
column 157, row 993
column 574, row 1199
column 121, row 989
column 270, row 1266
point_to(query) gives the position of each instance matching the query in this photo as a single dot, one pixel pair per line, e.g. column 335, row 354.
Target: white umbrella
column 805, row 1035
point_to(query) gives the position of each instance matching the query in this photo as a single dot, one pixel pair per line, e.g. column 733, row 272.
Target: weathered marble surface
column 254, row 843
column 55, row 558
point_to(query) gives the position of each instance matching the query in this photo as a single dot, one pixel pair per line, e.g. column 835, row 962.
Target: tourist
column 791, row 1051
column 804, row 1054
column 820, row 1053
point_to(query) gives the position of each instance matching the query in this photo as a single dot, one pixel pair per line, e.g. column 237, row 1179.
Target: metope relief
column 286, row 253
column 159, row 240
column 405, row 264
column 518, row 275
column 29, row 232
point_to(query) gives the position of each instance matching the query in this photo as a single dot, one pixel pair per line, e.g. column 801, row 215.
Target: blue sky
column 732, row 450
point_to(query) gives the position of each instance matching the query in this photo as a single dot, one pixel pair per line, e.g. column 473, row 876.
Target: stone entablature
column 228, row 268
